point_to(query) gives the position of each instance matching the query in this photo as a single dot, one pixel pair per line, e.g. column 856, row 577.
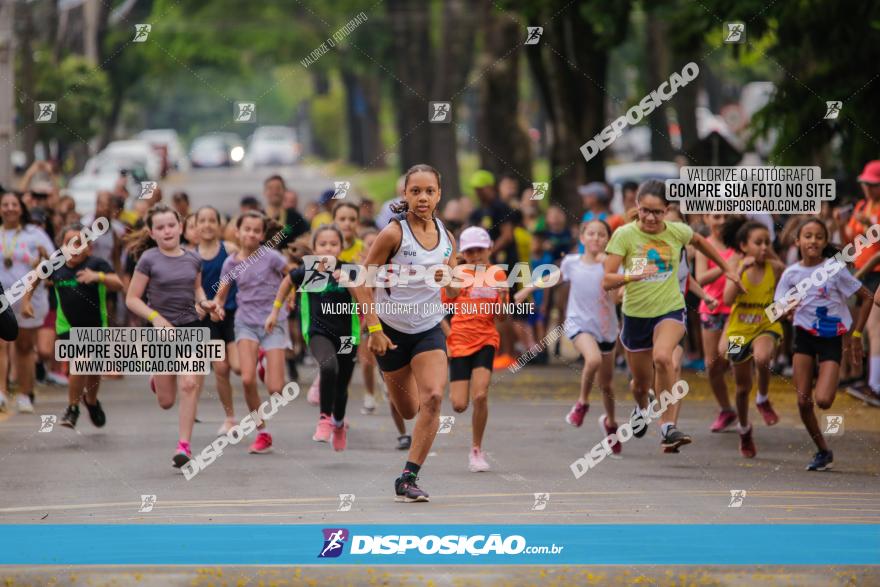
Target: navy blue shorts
column 637, row 334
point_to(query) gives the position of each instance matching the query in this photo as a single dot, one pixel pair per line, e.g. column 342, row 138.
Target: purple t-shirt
column 257, row 278
column 171, row 290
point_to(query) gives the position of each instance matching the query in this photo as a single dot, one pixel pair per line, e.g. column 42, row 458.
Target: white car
column 638, row 172
column 167, row 138
column 220, row 149
column 120, row 155
column 84, row 188
column 273, row 145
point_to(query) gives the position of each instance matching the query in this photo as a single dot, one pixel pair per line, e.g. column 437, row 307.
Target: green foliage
column 82, row 96
column 328, row 122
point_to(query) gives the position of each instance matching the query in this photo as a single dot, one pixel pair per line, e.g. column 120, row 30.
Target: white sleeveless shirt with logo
column 417, row 304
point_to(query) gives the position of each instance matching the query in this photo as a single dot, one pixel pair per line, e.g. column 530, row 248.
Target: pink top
column 716, row 288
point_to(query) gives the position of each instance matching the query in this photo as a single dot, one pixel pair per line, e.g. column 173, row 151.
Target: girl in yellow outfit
column 751, row 336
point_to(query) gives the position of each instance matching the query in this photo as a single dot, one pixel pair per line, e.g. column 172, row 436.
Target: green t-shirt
column 660, row 293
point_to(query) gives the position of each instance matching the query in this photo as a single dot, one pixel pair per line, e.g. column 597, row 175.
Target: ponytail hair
column 140, row 240
column 736, row 230
column 402, row 206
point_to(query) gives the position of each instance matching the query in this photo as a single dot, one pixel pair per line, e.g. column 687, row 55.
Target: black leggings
column 336, row 370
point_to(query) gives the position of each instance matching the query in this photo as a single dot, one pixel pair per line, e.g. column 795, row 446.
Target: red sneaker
column 747, row 444
column 262, row 444
column 725, row 419
column 323, row 430
column 609, row 430
column 768, row 413
column 340, row 436
column 575, row 416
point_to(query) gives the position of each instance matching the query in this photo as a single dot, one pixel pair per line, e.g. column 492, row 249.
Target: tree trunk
column 685, row 100
column 503, row 141
column 29, row 134
column 658, row 69
column 362, row 112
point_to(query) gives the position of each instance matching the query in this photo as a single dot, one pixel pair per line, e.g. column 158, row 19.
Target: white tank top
column 418, row 304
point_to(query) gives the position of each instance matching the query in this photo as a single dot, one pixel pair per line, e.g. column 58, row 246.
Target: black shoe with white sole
column 674, row 438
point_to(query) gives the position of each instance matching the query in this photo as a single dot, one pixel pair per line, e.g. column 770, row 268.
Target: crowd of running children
column 629, row 288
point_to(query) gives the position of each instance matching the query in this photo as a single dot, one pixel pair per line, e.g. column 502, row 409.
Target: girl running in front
column 332, row 336
column 653, row 306
column 81, row 287
column 473, row 339
column 823, row 328
column 409, row 346
column 345, row 217
column 712, row 322
column 214, row 253
column 257, row 270
column 590, row 322
column 752, row 337
column 171, row 278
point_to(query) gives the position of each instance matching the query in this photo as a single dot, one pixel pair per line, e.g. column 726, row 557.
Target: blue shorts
column 279, row 338
column 637, row 334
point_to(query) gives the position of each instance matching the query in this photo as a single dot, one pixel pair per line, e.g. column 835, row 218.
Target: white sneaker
column 56, row 378
column 369, row 404
column 23, row 402
column 477, row 462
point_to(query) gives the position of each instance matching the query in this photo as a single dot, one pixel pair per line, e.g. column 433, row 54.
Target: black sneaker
column 96, row 413
column 634, row 417
column 404, row 442
column 406, row 490
column 674, row 438
column 821, row 461
column 71, row 415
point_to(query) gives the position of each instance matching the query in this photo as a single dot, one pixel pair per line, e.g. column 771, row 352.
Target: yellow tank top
column 747, row 316
column 352, row 254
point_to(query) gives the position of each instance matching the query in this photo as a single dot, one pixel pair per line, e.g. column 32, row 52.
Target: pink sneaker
column 340, row 436
column 182, row 455
column 768, row 413
column 477, row 462
column 324, row 429
column 576, row 416
column 262, row 444
column 314, row 395
column 609, row 430
column 725, row 419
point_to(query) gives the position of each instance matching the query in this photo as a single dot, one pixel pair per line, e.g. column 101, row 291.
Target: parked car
column 84, row 187
column 273, row 145
column 130, row 154
column 167, row 139
column 219, row 149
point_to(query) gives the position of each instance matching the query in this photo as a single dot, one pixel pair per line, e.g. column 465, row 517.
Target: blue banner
column 249, row 544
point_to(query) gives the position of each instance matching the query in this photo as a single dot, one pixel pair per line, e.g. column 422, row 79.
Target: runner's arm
column 707, row 249
column 133, row 301
column 382, row 249
column 705, row 275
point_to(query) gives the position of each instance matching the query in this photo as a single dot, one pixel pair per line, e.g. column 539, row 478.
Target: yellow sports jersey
column 321, row 218
column 353, row 253
column 523, row 240
column 747, row 316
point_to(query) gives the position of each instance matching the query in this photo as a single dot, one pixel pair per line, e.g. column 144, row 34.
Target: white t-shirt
column 102, row 247
column 590, row 307
column 22, row 246
column 823, row 310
